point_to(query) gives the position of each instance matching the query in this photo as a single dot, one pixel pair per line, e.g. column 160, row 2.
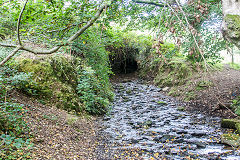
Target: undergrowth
column 15, row 141
column 235, row 66
column 70, row 84
column 236, row 105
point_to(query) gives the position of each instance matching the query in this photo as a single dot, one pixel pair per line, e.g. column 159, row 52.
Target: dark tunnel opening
column 124, row 66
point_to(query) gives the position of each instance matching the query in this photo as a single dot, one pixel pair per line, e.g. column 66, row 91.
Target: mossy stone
column 231, row 139
column 237, row 128
column 181, row 108
column 162, row 102
column 233, row 21
column 129, row 91
column 56, row 81
column 229, row 123
column 233, row 28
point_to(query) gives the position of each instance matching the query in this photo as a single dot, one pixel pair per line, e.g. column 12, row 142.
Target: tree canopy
column 58, row 23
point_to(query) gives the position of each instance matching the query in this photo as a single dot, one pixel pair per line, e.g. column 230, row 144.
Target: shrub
column 236, row 105
column 13, row 138
column 91, row 92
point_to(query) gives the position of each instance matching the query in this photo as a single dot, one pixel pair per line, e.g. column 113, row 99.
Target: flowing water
column 144, row 124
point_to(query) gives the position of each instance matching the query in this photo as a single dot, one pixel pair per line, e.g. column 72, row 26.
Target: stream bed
column 144, row 124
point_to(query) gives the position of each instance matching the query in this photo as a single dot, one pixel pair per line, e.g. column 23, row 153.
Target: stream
column 144, row 124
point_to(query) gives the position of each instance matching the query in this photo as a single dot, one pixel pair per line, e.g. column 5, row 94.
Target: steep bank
column 213, row 90
column 46, row 102
column 58, row 134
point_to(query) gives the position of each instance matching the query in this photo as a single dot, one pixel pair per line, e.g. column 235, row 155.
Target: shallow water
column 144, row 124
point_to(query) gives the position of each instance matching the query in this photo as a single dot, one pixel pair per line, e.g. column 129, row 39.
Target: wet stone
column 138, row 121
column 134, row 141
column 200, row 145
column 198, row 133
column 179, row 140
column 106, row 118
column 182, row 132
column 158, row 139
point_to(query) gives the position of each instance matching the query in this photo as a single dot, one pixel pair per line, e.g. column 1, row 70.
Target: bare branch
column 10, row 55
column 68, row 27
column 55, row 49
column 189, row 26
column 149, row 2
column 76, row 35
column 8, row 45
column 89, row 23
column 19, row 22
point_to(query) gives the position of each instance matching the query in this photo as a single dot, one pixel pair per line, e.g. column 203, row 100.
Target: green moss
column 233, row 28
column 236, row 105
column 174, row 92
column 229, row 123
column 181, row 108
column 69, row 84
column 189, row 96
column 162, row 102
column 235, row 66
column 218, row 66
column 233, row 21
column 129, row 91
column 174, row 73
column 55, row 79
column 237, row 128
column 201, row 85
column 231, row 139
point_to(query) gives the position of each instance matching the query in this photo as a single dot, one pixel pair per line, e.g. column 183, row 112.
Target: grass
column 218, row 66
column 201, row 85
column 235, row 66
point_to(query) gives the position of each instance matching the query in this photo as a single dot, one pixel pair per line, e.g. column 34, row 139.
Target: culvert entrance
column 123, row 64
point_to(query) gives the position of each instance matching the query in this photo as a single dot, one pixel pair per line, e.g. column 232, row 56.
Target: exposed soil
column 216, row 98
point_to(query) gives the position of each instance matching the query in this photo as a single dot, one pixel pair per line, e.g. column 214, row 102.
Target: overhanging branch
column 10, row 55
column 149, row 2
column 68, row 27
column 89, row 23
column 19, row 22
column 50, row 51
column 8, row 45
